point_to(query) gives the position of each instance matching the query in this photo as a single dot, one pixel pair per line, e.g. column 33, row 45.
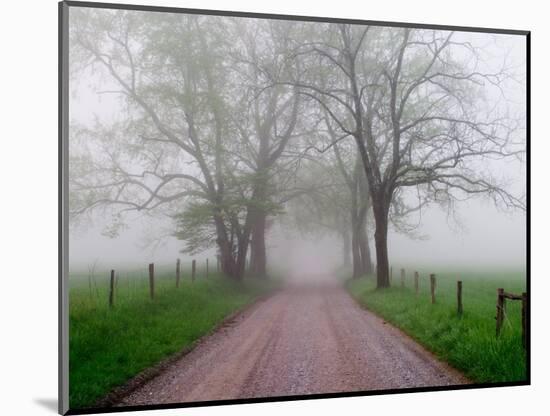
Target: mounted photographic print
column 266, row 208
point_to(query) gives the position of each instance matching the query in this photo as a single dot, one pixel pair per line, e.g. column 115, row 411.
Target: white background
column 28, row 209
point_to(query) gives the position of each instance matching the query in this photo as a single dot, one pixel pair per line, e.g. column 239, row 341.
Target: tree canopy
column 225, row 122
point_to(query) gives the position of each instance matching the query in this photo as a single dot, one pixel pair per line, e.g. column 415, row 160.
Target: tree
column 356, row 183
column 412, row 102
column 217, row 115
column 169, row 72
column 325, row 209
column 338, row 201
column 267, row 122
column 211, row 135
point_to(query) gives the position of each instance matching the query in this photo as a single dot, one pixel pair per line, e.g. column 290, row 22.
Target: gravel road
column 302, row 340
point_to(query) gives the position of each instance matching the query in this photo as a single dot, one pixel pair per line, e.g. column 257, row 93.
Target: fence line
column 501, row 312
column 112, row 289
column 114, row 277
column 152, row 280
column 432, row 287
column 178, row 272
column 502, row 296
column 459, row 308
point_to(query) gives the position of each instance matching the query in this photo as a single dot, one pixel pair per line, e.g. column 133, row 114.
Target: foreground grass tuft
column 468, row 343
column 110, row 346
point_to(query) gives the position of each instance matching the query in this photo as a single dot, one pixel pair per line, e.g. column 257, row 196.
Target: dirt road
column 302, row 340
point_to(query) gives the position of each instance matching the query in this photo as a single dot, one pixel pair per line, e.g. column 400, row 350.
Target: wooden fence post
column 193, row 269
column 432, row 287
column 416, row 283
column 402, row 277
column 152, row 280
column 524, row 319
column 206, row 267
column 178, row 272
column 500, row 310
column 459, row 297
column 112, row 289
column 391, row 273
column 218, row 263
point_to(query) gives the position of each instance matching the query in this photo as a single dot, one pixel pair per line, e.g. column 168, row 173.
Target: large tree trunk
column 229, row 265
column 233, row 263
column 380, row 208
column 242, row 251
column 227, row 260
column 258, row 258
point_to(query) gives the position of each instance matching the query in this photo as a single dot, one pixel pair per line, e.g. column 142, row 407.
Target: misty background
column 488, row 237
column 477, row 235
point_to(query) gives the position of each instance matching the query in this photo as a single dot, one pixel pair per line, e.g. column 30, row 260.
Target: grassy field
column 110, row 346
column 468, row 343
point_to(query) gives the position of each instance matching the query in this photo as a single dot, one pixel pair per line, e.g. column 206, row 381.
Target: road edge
column 411, row 338
column 118, row 393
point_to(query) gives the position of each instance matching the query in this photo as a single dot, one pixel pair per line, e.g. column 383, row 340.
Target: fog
column 475, row 234
column 486, row 238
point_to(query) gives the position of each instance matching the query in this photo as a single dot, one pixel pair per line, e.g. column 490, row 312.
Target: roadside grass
column 107, row 346
column 468, row 343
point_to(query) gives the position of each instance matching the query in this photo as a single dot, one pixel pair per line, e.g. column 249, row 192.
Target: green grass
column 468, row 343
column 110, row 346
